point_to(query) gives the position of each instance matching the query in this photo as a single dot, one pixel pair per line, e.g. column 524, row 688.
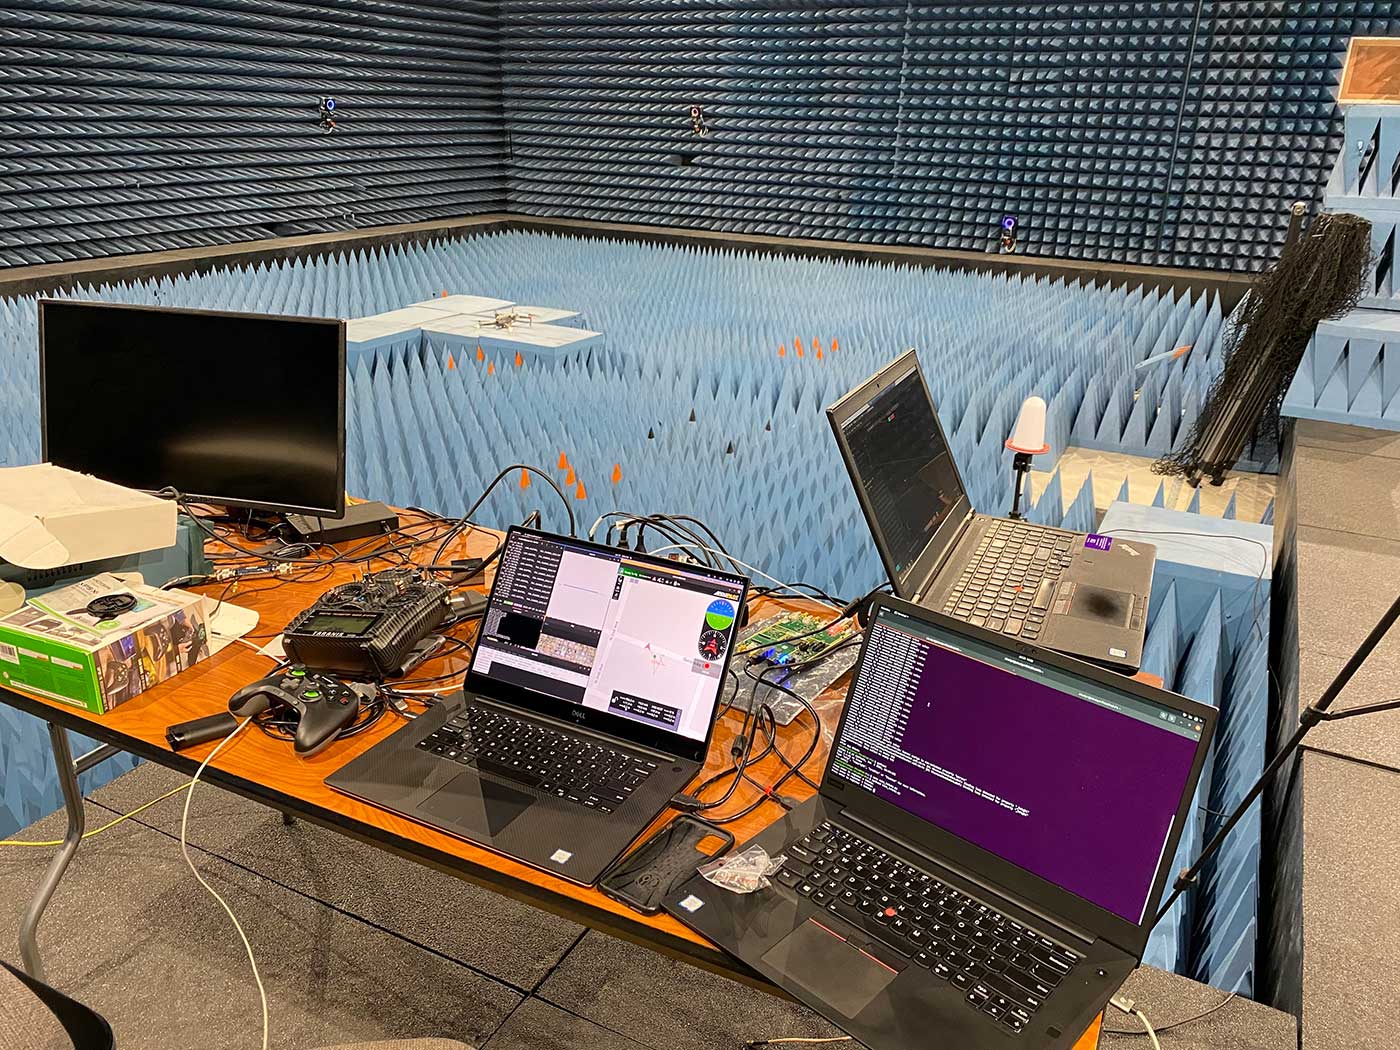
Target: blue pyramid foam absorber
column 698, row 330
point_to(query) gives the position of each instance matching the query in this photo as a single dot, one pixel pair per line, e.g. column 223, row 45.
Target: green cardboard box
column 52, row 646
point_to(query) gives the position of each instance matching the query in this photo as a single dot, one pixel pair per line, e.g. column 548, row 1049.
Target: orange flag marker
column 617, row 473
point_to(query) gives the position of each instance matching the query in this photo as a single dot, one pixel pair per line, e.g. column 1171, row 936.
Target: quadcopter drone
column 507, row 319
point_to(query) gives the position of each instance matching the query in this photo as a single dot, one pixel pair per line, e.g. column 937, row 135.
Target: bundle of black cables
column 679, row 530
column 464, row 522
column 1321, row 275
column 759, row 719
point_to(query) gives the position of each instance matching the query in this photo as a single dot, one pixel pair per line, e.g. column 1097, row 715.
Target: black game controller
column 325, row 705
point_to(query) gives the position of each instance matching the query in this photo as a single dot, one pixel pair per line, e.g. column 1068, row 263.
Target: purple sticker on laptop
column 1096, row 542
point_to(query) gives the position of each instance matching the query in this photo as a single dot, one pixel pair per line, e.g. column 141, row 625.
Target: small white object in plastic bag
column 743, row 872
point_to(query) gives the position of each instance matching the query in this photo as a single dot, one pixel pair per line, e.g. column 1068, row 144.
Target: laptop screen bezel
column 919, row 573
column 1017, row 883
column 630, row 730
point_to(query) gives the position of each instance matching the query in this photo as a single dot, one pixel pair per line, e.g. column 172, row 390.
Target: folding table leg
column 73, row 801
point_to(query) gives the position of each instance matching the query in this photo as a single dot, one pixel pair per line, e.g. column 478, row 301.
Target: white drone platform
column 465, row 322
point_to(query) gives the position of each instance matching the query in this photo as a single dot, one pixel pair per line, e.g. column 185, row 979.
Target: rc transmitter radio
column 369, row 628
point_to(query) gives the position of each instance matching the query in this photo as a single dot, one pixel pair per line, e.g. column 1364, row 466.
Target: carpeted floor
column 355, row 944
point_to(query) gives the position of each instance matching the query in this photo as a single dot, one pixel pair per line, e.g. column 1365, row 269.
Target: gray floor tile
column 1345, row 583
column 670, row 1005
column 1168, row 998
column 1347, row 492
column 1373, row 737
column 537, row 1025
column 132, row 934
column 504, row 938
column 1361, row 441
column 1351, row 868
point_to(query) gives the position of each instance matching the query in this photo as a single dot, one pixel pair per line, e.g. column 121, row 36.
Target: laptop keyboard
column 569, row 767
column 1005, row 969
column 1008, row 584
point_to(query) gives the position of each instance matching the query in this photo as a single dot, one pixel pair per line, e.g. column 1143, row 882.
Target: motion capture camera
column 698, row 125
column 1008, row 234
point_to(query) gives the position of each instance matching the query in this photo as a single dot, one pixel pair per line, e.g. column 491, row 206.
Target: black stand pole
column 1296, row 214
column 1316, row 712
column 1020, row 467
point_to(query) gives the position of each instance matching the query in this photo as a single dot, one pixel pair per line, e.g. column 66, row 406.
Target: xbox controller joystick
column 324, row 705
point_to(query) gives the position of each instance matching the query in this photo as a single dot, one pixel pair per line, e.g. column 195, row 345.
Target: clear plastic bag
column 743, row 872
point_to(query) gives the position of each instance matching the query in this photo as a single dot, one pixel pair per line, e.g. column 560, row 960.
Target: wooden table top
column 265, row 769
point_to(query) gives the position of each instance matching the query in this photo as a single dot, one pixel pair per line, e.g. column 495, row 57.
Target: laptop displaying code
column 1073, row 781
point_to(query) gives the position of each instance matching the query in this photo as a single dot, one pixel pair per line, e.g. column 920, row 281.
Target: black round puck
column 110, row 606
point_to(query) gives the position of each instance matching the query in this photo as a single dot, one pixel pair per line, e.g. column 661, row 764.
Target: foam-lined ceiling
column 136, row 126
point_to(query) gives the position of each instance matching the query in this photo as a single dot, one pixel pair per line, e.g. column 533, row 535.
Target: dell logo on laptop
column 576, row 714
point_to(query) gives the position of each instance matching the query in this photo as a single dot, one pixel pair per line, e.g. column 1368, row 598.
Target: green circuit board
column 770, row 640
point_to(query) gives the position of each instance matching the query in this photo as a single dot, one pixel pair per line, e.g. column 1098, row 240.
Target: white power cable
column 255, row 647
column 185, row 849
column 1129, row 1006
column 1147, row 1027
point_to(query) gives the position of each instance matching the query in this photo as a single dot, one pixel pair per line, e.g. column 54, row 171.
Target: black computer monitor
column 244, row 410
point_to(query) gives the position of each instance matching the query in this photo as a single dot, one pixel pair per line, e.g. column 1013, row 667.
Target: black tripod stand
column 1318, row 711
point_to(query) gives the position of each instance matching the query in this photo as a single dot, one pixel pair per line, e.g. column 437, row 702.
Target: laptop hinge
column 926, row 587
column 1057, row 924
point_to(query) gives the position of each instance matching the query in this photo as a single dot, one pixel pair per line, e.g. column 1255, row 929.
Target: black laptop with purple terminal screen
column 1069, row 779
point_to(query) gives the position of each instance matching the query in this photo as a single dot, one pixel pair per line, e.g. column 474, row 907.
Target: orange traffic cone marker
column 617, row 473
column 524, row 479
column 490, row 368
column 563, row 461
column 580, row 492
column 782, row 350
column 570, row 479
column 451, row 364
column 480, row 353
column 834, row 345
column 518, row 359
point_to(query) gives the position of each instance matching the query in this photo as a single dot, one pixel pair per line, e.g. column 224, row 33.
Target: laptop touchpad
column 828, row 967
column 1101, row 605
column 477, row 802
